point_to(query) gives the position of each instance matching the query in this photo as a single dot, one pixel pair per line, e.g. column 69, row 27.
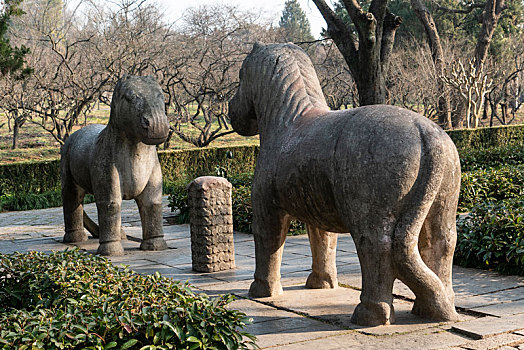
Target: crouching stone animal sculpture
column 115, row 162
column 388, row 176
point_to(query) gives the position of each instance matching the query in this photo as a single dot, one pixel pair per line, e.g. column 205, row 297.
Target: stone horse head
column 138, row 110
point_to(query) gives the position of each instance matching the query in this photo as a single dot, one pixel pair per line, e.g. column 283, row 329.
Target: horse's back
column 78, row 152
column 358, row 160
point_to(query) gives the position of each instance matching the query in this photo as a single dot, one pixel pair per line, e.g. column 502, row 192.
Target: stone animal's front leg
column 323, row 248
column 376, row 298
column 269, row 230
column 150, row 206
column 110, row 226
column 72, row 198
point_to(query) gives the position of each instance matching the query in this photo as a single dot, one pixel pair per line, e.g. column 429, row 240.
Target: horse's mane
column 283, row 80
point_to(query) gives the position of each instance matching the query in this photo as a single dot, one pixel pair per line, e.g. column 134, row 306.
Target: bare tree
column 437, row 53
column 472, row 84
column 200, row 74
column 367, row 48
column 335, row 79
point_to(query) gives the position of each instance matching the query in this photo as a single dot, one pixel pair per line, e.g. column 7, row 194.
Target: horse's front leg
column 150, row 207
column 108, row 199
column 270, row 226
column 323, row 249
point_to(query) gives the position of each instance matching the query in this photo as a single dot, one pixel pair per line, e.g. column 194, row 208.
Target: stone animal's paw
column 110, row 249
column 316, row 281
column 123, row 235
column 75, row 236
column 371, row 314
column 438, row 311
column 261, row 289
column 157, row 243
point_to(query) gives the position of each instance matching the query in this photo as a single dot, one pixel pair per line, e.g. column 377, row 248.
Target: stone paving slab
column 502, row 309
column 489, row 326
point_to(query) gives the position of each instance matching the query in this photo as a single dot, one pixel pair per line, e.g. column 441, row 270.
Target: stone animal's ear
column 257, row 46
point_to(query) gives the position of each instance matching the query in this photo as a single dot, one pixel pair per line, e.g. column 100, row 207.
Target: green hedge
column 40, row 177
column 488, row 137
column 74, row 300
column 490, row 185
column 495, row 157
column 492, row 237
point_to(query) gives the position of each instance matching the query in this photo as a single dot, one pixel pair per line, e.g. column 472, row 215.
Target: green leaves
column 492, row 236
column 73, row 300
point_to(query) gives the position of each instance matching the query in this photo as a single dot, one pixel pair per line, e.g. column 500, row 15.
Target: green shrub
column 492, row 236
column 73, row 300
column 494, row 157
column 490, row 185
column 488, row 137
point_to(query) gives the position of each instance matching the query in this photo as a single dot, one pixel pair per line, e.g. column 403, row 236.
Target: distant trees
column 365, row 38
column 11, row 57
column 294, row 23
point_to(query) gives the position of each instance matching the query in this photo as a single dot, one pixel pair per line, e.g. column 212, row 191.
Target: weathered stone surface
column 115, row 162
column 490, row 326
column 503, row 309
column 495, row 342
column 389, row 176
column 211, row 224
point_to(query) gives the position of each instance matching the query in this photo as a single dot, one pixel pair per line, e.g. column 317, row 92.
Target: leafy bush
column 490, row 185
column 492, row 236
column 73, row 300
column 494, row 157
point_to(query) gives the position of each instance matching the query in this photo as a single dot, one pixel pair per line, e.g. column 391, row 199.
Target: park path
column 491, row 305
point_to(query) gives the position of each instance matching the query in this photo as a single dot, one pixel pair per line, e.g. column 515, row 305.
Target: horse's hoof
column 110, row 249
column 445, row 313
column 315, row 281
column 260, row 289
column 123, row 235
column 373, row 314
column 75, row 236
column 156, row 243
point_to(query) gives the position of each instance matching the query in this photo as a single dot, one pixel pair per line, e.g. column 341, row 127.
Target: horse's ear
column 257, row 46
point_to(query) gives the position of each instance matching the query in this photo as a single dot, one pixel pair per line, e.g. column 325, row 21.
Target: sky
column 273, row 8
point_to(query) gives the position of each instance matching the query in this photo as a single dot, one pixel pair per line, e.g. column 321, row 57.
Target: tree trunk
column 368, row 55
column 490, row 17
column 437, row 54
column 16, row 129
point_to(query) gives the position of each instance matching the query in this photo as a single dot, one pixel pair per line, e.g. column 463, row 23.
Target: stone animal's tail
column 91, row 226
column 93, row 229
column 412, row 270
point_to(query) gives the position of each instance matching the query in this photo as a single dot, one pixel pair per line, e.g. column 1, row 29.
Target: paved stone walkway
column 491, row 305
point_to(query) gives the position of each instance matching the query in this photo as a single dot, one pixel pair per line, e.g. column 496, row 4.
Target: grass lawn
column 34, row 143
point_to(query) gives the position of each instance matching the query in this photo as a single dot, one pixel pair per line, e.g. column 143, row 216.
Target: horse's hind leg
column 72, row 198
column 323, row 248
column 437, row 243
column 378, row 275
column 270, row 227
column 434, row 296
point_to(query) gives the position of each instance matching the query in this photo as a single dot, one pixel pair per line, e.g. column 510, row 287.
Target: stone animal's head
column 138, row 110
column 241, row 107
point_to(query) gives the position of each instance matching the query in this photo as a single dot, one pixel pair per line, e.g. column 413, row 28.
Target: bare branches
column 472, row 84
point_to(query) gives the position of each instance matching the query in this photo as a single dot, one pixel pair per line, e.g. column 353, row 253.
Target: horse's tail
column 427, row 286
column 91, row 226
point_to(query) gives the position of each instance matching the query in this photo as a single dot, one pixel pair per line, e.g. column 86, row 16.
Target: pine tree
column 11, row 58
column 294, row 23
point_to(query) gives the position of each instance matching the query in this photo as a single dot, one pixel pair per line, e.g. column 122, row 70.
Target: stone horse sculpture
column 387, row 175
column 115, row 162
